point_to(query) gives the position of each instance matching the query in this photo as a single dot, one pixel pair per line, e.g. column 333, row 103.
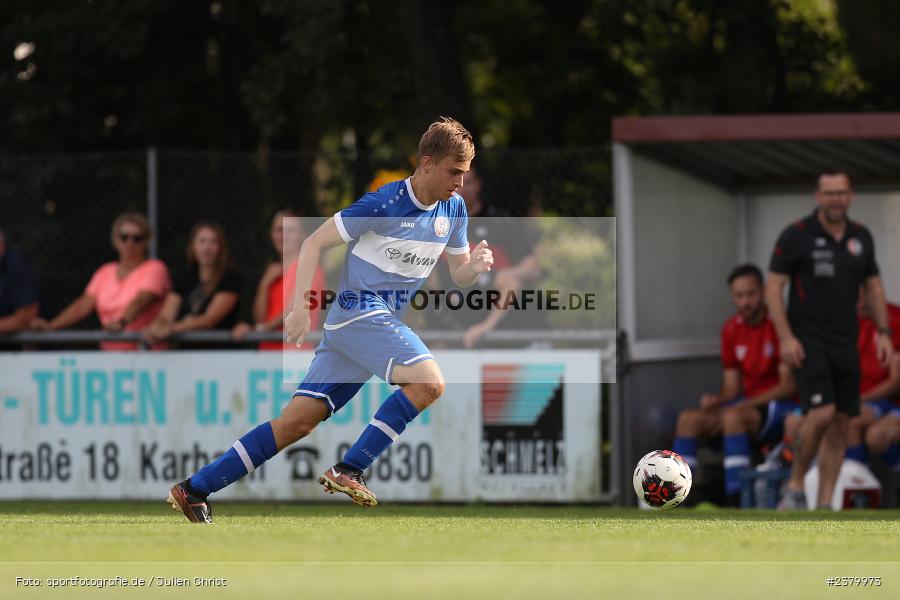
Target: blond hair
column 446, row 137
column 133, row 218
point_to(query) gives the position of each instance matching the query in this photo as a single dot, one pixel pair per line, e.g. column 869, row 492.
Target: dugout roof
column 749, row 150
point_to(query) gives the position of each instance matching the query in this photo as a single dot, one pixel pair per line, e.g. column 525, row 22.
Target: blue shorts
column 350, row 354
column 882, row 407
column 776, row 412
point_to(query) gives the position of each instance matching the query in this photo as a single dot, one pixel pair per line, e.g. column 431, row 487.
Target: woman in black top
column 206, row 296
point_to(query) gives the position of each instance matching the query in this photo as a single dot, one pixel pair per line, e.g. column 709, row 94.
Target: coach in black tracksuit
column 826, row 257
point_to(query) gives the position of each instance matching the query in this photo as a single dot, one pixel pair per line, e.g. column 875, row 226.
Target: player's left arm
column 466, row 267
column 878, row 310
column 785, row 388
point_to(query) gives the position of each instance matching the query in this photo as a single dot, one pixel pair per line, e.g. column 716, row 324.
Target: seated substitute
column 879, row 387
column 127, row 294
column 883, row 438
column 18, row 290
column 757, row 388
column 206, row 295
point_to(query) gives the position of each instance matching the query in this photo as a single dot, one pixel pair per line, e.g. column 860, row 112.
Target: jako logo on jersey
column 442, row 226
column 392, row 253
column 740, row 352
column 413, row 259
column 408, row 224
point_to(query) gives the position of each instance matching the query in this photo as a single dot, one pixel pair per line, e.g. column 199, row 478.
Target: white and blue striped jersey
column 394, row 242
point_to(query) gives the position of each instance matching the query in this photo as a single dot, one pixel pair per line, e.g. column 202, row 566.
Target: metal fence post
column 152, row 200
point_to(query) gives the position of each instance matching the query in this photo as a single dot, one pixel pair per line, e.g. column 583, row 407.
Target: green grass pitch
column 469, row 552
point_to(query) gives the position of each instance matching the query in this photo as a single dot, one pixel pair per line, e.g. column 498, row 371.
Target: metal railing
column 604, row 337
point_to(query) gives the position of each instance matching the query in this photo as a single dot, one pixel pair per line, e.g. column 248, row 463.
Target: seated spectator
column 18, row 290
column 757, row 388
column 883, row 438
column 275, row 291
column 127, row 294
column 514, row 247
column 879, row 384
column 206, row 295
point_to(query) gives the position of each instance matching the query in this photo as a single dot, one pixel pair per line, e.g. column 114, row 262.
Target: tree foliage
column 367, row 75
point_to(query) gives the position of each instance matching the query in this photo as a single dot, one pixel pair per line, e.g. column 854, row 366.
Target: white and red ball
column 662, row 479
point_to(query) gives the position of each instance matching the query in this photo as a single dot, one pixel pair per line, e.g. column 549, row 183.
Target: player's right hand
column 792, row 352
column 296, row 326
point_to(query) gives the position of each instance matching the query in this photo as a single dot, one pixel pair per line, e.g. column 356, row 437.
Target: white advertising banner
column 128, row 425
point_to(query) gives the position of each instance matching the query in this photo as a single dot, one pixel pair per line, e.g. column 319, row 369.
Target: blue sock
column 256, row 447
column 891, row 457
column 858, row 452
column 389, row 422
column 737, row 458
column 687, row 448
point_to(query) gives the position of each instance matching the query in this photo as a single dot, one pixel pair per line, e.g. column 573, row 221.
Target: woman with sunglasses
column 127, row 294
column 206, row 296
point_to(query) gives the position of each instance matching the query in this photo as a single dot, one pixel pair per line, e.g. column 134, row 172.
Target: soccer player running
column 826, row 257
column 395, row 236
column 757, row 388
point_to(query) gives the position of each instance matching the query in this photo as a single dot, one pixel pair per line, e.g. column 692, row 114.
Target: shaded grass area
column 527, row 551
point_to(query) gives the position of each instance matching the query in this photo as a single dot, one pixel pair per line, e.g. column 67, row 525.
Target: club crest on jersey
column 441, row 226
column 768, row 349
column 740, row 352
column 854, row 247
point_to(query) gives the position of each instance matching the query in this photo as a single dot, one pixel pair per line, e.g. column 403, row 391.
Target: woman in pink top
column 127, row 294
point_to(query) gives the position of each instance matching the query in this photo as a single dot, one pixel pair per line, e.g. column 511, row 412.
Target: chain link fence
column 57, row 210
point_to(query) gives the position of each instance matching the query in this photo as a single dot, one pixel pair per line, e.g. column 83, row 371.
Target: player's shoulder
column 17, row 264
column 154, row 266
column 457, row 205
column 893, row 312
column 799, row 227
column 858, row 229
column 389, row 191
column 732, row 324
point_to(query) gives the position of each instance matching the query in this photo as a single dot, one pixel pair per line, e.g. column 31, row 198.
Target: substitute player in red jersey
column 757, row 388
column 879, row 384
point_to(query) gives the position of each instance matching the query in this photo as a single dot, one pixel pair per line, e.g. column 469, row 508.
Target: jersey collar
column 415, row 200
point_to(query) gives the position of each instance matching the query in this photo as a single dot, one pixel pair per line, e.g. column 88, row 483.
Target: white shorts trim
column 316, row 395
column 385, row 429
column 245, row 458
column 332, row 327
column 387, row 372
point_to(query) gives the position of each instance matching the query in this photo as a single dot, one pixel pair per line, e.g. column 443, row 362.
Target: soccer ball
column 662, row 479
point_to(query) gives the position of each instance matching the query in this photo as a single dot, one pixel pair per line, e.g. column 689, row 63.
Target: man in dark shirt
column 18, row 290
column 825, row 257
